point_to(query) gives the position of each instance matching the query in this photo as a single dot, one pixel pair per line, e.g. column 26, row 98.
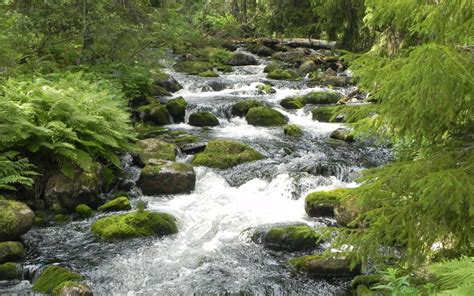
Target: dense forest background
column 69, row 70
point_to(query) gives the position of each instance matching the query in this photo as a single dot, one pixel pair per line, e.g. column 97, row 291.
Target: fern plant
column 15, row 170
column 454, row 277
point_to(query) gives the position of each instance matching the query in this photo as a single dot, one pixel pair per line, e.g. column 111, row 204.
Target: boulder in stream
column 224, row 154
column 320, row 266
column 203, row 119
column 166, row 177
column 52, row 277
column 292, row 130
column 16, row 218
column 293, row 103
column 71, row 288
column 242, row 59
column 155, row 113
column 135, row 224
column 281, row 74
column 322, row 97
column 343, row 134
column 167, row 82
column 308, row 67
column 155, row 149
column 177, row 109
column 288, row 238
column 11, row 252
column 118, row 204
column 265, row 116
column 242, row 107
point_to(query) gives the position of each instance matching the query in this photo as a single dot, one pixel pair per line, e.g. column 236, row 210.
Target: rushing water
column 213, row 253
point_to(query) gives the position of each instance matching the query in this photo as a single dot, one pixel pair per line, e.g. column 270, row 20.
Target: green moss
column 266, row 88
column 209, row 73
column 155, row 113
column 224, row 68
column 280, row 74
column 292, row 130
column 177, row 108
column 156, row 149
column 272, row 67
column 265, row 116
column 224, row 154
column 293, row 238
column 10, row 271
column 192, row 67
column 119, row 204
column 53, row 276
column 202, row 119
column 61, row 218
column 10, row 221
column 145, row 131
column 242, row 107
column 325, row 114
column 11, row 252
column 136, row 224
column 293, row 103
column 58, row 209
column 39, row 221
column 84, row 211
column 365, row 280
column 179, row 137
column 364, row 291
column 324, row 266
column 66, row 284
column 322, row 97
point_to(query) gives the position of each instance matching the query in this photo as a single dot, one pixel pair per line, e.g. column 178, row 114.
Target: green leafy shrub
column 15, row 170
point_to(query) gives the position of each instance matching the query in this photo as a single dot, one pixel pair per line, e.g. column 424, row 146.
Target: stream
column 213, row 252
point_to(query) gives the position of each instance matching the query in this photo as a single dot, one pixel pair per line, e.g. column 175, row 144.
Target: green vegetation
column 224, row 154
column 11, row 252
column 10, row 271
column 292, row 130
column 135, row 224
column 203, row 119
column 292, row 238
column 53, row 276
column 280, row 74
column 265, row 116
column 242, row 107
column 118, row 204
column 84, row 211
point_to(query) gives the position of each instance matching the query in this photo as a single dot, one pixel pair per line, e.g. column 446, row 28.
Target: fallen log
column 293, row 42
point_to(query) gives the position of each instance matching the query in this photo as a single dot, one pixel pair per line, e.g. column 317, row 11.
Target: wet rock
column 225, row 68
column 324, row 79
column 11, row 252
column 84, row 211
column 217, row 85
column 342, row 134
column 179, row 138
column 293, row 56
column 292, row 130
column 208, row 73
column 118, row 204
column 280, row 74
column 203, row 119
column 193, row 149
column 265, row 116
column 71, row 288
column 289, row 238
column 177, row 109
column 155, row 149
column 224, row 154
column 135, row 224
column 242, row 107
column 10, row 271
column 167, row 82
column 155, row 113
column 192, row 67
column 319, row 266
column 165, row 177
column 264, row 51
column 325, row 114
column 266, row 88
column 242, row 59
column 272, row 67
column 308, row 67
column 322, row 97
column 293, row 103
column 16, row 218
column 52, row 277
column 366, row 280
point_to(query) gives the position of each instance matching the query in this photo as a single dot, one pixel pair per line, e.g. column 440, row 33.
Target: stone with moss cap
column 293, row 103
column 53, row 276
column 289, row 238
column 16, row 218
column 208, row 73
column 272, row 67
column 192, row 67
column 322, row 97
column 72, row 288
column 343, row 134
column 155, row 149
column 266, row 88
column 135, row 224
column 84, row 211
column 336, row 265
column 11, row 252
column 281, row 74
column 155, row 113
column 10, row 271
column 367, row 280
column 118, row 204
column 177, row 109
column 164, row 177
column 224, row 154
column 265, row 116
column 242, row 107
column 203, row 119
column 292, row 130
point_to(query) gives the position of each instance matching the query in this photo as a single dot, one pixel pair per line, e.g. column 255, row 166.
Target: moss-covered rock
column 53, row 276
column 62, row 218
column 294, row 55
column 164, row 177
column 344, row 113
column 293, row 103
column 155, row 113
column 265, row 116
column 292, row 130
column 343, row 134
column 136, row 224
column 208, row 73
column 10, row 271
column 324, row 114
column 192, row 67
column 280, row 74
column 202, row 119
column 11, row 252
column 224, row 68
column 363, row 290
column 72, row 288
column 308, row 67
column 177, row 109
column 16, row 218
column 366, row 280
column 242, row 59
column 242, row 107
column 118, row 204
column 155, row 149
column 179, row 138
column 84, row 211
column 290, row 238
column 320, row 266
column 266, row 88
column 146, row 131
column 272, row 67
column 165, row 81
column 224, row 154
column 322, row 97
column 326, row 79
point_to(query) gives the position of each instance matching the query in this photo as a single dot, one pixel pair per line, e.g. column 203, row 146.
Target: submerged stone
column 16, row 218
column 224, row 154
column 135, row 224
column 265, row 116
